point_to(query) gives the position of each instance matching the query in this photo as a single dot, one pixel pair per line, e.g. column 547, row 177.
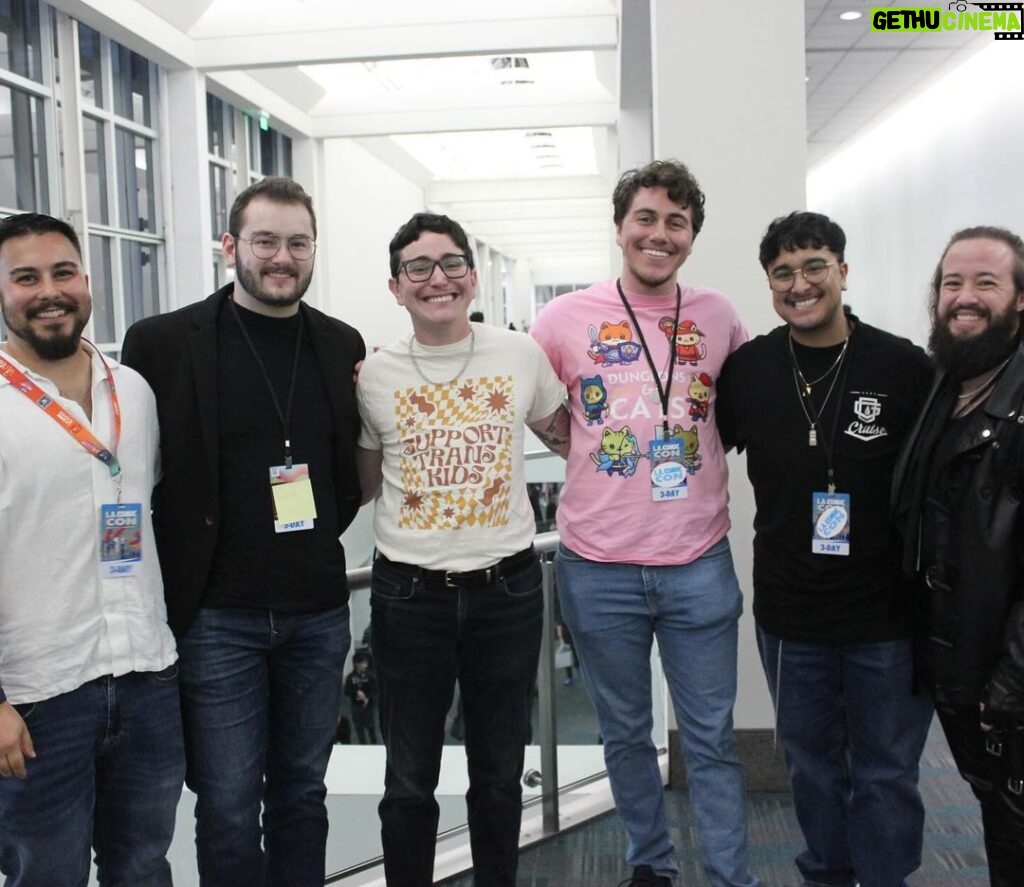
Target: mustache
column 48, row 303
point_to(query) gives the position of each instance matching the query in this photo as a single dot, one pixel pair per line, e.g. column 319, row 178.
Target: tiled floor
column 591, row 856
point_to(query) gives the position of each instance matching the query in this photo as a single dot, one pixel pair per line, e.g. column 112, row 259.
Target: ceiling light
column 850, row 16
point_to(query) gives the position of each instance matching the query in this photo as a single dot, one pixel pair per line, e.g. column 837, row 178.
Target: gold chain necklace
column 462, row 369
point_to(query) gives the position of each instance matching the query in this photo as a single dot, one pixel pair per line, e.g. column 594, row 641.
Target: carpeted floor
column 592, row 855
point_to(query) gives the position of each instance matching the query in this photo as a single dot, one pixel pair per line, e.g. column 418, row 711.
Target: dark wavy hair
column 801, row 230
column 410, row 232
column 671, row 175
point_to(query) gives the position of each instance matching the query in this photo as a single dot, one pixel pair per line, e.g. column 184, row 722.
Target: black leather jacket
column 974, row 644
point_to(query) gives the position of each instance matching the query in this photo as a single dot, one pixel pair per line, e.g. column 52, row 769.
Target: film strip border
column 1005, row 7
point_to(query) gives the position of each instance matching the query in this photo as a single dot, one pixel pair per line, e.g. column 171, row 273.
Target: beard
column 251, row 281
column 966, row 358
column 54, row 346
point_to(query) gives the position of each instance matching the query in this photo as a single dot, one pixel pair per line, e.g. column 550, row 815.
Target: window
column 117, row 96
column 240, row 152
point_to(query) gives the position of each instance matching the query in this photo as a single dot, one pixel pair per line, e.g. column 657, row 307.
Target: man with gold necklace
column 958, row 489
column 456, row 590
column 820, row 405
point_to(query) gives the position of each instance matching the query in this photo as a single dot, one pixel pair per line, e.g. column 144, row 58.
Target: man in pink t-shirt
column 643, row 520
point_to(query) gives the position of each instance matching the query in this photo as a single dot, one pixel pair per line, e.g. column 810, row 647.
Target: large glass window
column 136, row 197
column 90, row 65
column 23, row 179
column 20, row 38
column 94, row 144
column 141, row 279
column 240, row 152
column 131, row 74
column 113, row 190
column 101, row 284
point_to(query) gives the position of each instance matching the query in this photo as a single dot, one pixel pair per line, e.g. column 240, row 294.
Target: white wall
column 733, row 110
column 951, row 158
column 363, row 203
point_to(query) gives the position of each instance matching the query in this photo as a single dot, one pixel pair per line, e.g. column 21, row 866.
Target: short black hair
column 982, row 232
column 37, row 223
column 279, row 189
column 410, row 232
column 671, row 175
column 801, row 230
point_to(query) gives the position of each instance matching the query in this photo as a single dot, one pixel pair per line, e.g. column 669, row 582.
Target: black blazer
column 176, row 353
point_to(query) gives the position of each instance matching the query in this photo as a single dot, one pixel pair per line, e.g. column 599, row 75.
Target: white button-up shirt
column 61, row 623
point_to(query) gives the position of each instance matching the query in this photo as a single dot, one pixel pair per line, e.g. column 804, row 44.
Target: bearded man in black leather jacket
column 958, row 493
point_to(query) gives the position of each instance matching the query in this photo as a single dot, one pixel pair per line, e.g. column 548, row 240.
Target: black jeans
column 425, row 636
column 1002, row 807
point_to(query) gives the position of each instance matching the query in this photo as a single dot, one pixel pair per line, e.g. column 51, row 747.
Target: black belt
column 457, row 579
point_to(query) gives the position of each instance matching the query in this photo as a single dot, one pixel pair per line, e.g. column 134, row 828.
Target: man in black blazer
column 258, row 427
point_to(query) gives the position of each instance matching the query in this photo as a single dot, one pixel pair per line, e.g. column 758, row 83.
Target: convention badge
column 120, row 539
column 830, row 516
column 668, row 475
column 292, row 490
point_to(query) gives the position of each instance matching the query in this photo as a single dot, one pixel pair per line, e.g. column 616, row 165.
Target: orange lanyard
column 89, row 442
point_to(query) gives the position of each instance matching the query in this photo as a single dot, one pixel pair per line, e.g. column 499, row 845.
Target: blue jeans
column 260, row 693
column 853, row 734
column 425, row 636
column 614, row 612
column 107, row 773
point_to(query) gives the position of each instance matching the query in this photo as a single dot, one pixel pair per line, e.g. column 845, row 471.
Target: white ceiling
column 505, row 112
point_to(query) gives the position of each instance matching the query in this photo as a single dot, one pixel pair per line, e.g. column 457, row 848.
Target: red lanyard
column 89, row 442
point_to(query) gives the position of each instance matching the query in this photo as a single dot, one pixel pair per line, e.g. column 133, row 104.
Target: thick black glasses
column 420, row 269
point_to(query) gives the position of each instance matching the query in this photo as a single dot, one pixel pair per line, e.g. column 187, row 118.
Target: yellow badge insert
column 294, row 508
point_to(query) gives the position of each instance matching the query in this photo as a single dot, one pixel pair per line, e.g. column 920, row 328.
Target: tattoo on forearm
column 555, row 436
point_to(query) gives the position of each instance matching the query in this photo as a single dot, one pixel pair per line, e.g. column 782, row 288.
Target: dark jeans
column 107, row 773
column 1002, row 808
column 425, row 636
column 853, row 733
column 260, row 694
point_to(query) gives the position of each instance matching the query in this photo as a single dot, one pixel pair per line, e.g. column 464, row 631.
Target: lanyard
column 88, row 441
column 663, row 391
column 285, row 414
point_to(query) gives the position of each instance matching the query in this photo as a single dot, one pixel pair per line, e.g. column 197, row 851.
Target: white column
column 189, row 211
column 729, row 101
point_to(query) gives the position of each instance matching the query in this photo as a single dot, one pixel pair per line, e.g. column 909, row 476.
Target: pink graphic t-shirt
column 614, row 507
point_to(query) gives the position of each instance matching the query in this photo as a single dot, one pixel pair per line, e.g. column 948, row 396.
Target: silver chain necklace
column 462, row 369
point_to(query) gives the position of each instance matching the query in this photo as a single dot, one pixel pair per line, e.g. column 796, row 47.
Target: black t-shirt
column 881, row 385
column 253, row 566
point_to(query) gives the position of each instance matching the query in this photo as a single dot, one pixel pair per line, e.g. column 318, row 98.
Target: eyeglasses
column 781, row 280
column 266, row 246
column 420, row 269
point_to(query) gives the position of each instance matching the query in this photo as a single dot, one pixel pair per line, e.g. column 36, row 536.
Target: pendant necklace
column 462, row 369
column 804, row 394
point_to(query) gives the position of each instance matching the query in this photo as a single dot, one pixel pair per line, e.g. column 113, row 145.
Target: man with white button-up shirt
column 90, row 729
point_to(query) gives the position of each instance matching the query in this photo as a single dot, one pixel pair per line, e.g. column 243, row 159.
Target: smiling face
column 271, row 286
column 438, row 306
column 977, row 288
column 656, row 237
column 813, row 311
column 44, row 295
column 976, row 315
